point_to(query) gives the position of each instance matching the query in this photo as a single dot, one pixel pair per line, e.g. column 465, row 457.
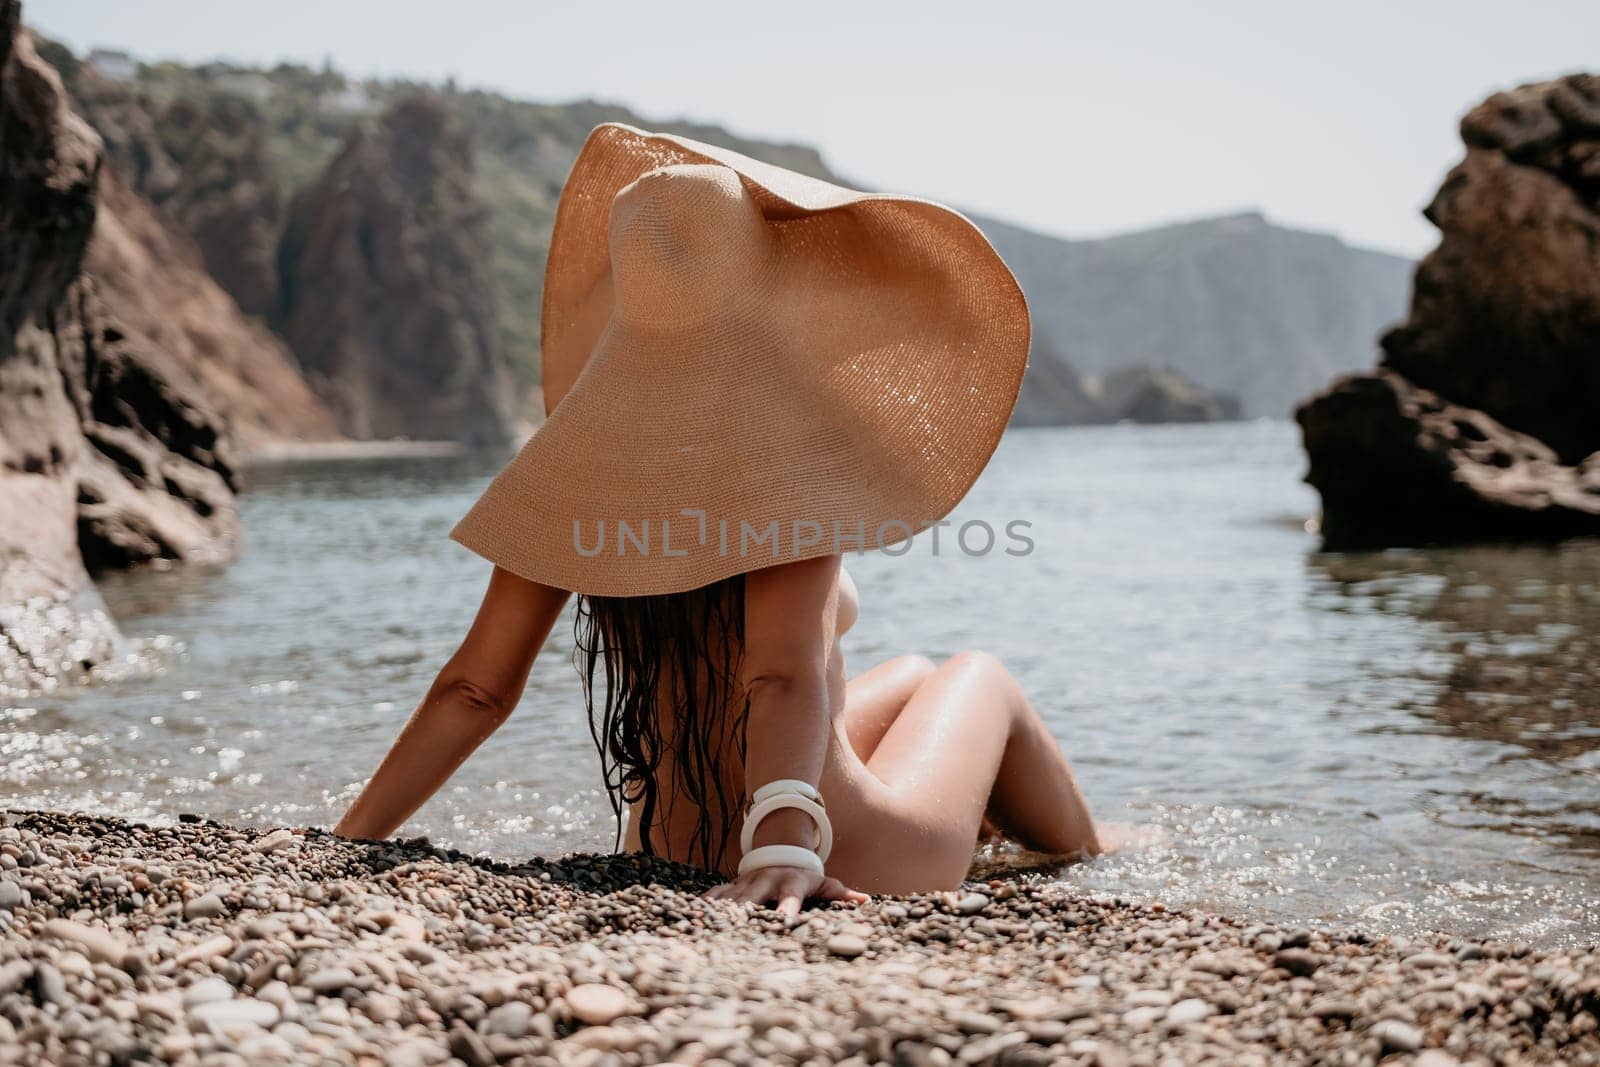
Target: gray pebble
column 511, row 1019
column 1191, row 1010
column 1396, row 1036
column 848, row 946
column 52, row 988
column 207, row 991
column 235, row 1012
column 209, row 906
column 1427, row 959
column 972, row 903
column 330, row 980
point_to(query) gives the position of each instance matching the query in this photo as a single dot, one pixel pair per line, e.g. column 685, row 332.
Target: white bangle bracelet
column 763, row 808
column 780, row 856
column 786, row 785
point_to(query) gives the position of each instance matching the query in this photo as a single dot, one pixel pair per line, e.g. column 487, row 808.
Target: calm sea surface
column 1403, row 741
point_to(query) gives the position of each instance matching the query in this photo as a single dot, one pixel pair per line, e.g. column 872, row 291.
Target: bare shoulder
column 789, row 611
column 801, row 579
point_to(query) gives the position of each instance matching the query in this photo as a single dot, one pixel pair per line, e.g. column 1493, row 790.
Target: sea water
column 1399, row 741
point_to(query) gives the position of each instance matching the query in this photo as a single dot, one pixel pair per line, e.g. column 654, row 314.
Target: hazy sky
column 1074, row 118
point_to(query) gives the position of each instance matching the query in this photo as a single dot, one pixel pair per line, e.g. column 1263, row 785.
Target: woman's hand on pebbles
column 787, row 887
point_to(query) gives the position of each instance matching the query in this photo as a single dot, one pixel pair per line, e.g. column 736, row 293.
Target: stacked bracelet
column 785, row 793
column 780, row 856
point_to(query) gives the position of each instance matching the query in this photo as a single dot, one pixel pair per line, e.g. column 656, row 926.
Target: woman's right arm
column 790, row 619
column 471, row 697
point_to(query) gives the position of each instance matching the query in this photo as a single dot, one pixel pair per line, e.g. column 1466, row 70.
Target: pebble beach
column 197, row 943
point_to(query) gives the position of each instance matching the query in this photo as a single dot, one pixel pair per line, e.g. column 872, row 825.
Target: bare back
column 680, row 816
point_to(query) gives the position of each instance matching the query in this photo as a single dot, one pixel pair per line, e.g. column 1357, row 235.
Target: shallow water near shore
column 1401, row 741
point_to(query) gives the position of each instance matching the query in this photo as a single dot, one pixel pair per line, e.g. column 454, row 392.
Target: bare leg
column 874, row 699
column 969, row 742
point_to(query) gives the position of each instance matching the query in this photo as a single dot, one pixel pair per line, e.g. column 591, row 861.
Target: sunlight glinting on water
column 1400, row 741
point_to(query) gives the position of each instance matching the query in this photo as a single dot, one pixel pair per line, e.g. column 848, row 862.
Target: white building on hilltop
column 113, row 64
column 351, row 100
column 246, row 83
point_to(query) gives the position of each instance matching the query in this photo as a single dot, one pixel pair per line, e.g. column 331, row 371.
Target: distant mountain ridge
column 1245, row 309
column 1239, row 305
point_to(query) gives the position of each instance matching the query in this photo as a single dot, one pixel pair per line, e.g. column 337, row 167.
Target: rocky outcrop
column 1148, row 394
column 1052, row 392
column 1481, row 422
column 154, row 281
column 1397, row 464
column 203, row 161
column 394, row 227
column 187, row 240
column 109, row 456
column 226, row 198
column 1506, row 312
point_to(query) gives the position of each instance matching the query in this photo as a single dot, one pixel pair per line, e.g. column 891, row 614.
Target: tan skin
column 912, row 759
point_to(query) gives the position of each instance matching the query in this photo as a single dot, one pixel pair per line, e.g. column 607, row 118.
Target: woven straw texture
column 804, row 368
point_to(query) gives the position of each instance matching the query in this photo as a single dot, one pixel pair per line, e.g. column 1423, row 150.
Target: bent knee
column 975, row 662
column 916, row 669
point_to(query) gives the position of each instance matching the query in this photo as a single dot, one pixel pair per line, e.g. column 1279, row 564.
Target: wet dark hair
column 682, row 649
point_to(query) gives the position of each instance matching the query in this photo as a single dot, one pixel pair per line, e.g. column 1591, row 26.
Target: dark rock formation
column 1397, row 464
column 108, row 455
column 152, row 278
column 407, row 346
column 1159, row 394
column 194, row 206
column 1246, row 308
column 1481, row 423
column 1052, row 393
column 227, row 198
column 1506, row 312
column 203, row 160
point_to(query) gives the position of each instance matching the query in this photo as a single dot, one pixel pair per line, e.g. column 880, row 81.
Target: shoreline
column 304, row 451
column 198, row 942
column 269, row 452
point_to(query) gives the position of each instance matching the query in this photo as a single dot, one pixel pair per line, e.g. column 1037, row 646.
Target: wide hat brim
column 841, row 400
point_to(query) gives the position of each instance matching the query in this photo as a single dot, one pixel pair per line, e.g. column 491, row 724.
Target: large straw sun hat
column 745, row 366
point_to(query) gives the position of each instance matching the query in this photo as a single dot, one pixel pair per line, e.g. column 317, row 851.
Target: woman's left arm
column 471, row 697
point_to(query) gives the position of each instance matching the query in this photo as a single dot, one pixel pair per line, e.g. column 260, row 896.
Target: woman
column 748, row 373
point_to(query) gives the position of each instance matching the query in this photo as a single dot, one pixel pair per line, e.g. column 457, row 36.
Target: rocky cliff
column 188, row 240
column 109, row 455
column 155, row 281
column 1248, row 309
column 385, row 291
column 1506, row 312
column 1480, row 422
column 1149, row 394
column 1053, row 393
